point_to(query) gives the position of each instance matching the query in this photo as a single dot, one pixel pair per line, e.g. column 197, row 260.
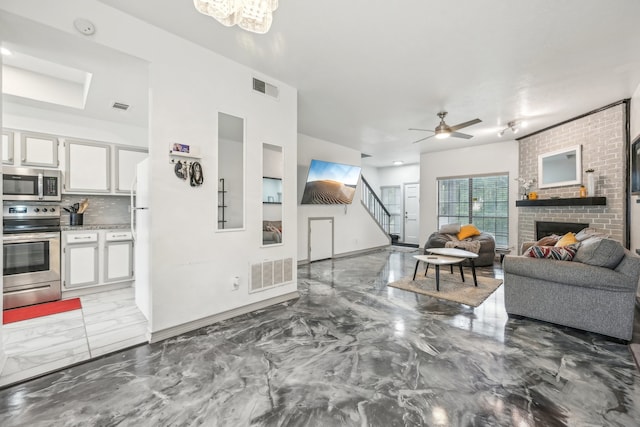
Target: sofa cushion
column 564, row 253
column 570, row 273
column 566, row 240
column 450, row 228
column 467, row 231
column 600, row 252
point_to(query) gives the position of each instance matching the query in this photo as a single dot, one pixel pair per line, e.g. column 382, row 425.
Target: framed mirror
column 272, row 170
column 560, row 168
column 231, row 152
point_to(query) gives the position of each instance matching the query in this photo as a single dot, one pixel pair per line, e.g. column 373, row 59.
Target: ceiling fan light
column 442, row 135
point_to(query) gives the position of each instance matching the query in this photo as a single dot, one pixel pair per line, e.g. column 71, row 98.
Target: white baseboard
column 75, row 293
column 210, row 320
column 346, row 254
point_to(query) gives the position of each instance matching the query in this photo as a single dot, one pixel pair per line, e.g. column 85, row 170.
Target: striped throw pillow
column 564, row 253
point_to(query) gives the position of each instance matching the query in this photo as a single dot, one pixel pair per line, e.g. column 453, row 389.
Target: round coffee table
column 437, row 261
column 458, row 253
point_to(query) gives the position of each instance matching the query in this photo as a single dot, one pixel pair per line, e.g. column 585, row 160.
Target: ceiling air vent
column 120, row 106
column 266, row 88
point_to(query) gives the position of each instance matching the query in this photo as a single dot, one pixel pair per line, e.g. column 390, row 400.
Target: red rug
column 39, row 310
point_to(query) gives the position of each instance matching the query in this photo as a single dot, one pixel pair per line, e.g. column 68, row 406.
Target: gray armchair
column 487, row 252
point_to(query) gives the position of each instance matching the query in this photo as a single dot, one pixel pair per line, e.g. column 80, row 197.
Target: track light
column 514, row 125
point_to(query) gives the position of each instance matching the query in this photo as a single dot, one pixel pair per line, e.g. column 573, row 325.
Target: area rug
column 451, row 287
column 39, row 310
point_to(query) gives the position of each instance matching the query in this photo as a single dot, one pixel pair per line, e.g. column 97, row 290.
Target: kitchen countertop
column 89, row 227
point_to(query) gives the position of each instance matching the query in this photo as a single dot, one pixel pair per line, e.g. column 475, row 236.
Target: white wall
column 499, row 157
column 354, row 229
column 370, row 173
column 193, row 264
column 398, row 175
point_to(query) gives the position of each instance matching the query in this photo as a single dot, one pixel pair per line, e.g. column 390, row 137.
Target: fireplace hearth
column 547, row 228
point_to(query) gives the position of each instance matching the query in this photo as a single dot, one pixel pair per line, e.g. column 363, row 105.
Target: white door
column 320, row 238
column 411, row 212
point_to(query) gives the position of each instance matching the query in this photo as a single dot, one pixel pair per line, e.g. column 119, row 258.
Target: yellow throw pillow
column 468, row 230
column 566, row 240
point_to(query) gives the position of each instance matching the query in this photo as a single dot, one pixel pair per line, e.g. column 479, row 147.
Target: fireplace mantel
column 573, row 201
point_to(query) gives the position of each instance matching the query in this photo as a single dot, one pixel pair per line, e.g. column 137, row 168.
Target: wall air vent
column 271, row 273
column 120, row 106
column 265, row 88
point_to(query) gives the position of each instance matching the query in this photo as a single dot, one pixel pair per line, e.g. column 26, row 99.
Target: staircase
column 375, row 207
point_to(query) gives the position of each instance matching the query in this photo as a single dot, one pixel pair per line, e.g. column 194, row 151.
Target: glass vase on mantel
column 591, row 184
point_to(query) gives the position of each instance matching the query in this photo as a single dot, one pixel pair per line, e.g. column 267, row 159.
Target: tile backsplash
column 101, row 210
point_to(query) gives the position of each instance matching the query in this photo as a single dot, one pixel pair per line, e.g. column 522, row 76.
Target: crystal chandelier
column 251, row 15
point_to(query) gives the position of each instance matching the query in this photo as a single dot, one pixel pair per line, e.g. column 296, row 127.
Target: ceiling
column 60, row 58
column 366, row 71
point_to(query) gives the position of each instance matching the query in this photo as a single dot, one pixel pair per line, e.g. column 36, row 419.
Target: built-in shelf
column 573, row 201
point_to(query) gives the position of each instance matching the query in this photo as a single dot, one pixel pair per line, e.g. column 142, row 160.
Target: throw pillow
column 566, row 240
column 600, row 252
column 585, row 233
column 548, row 240
column 449, row 228
column 468, row 230
column 564, row 253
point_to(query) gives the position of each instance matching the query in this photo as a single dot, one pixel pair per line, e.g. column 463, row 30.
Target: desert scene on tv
column 330, row 183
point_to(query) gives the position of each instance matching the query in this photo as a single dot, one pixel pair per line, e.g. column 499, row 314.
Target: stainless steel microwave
column 40, row 185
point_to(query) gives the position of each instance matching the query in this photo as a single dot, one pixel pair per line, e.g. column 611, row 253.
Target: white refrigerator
column 140, row 229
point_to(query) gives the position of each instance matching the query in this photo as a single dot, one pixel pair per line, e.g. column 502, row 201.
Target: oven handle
column 40, row 187
column 29, row 237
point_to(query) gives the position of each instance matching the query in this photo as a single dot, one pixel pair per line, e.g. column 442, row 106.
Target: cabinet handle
column 83, row 238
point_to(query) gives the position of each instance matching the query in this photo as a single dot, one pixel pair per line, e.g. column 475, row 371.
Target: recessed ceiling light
column 398, row 162
column 5, row 51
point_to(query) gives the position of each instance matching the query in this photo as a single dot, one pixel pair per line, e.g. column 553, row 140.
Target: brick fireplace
column 602, row 137
column 547, row 228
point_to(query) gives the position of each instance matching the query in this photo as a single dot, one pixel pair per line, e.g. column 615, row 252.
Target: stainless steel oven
column 27, row 184
column 31, row 255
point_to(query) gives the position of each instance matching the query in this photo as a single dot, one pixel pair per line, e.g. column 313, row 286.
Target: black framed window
column 479, row 200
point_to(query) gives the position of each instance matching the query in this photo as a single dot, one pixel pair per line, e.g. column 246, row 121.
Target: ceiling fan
column 443, row 130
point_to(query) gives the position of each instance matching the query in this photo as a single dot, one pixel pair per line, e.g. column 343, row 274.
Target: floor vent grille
column 271, row 273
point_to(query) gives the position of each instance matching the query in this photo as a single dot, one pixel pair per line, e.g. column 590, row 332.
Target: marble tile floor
column 108, row 321
column 349, row 352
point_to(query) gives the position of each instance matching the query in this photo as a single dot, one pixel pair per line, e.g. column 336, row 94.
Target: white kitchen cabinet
column 81, row 260
column 7, row 147
column 87, row 167
column 96, row 259
column 38, row 149
column 126, row 161
column 118, row 256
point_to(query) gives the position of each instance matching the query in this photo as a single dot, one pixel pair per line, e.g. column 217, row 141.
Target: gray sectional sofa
column 595, row 291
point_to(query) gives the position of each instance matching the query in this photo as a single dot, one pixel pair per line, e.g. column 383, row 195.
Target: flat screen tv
column 330, row 183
